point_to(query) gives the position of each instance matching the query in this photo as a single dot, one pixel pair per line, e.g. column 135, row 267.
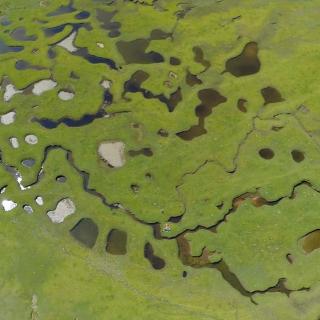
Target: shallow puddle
column 105, row 18
column 20, row 34
column 82, row 15
column 6, row 49
column 25, row 65
column 174, row 61
column 246, row 63
column 86, row 232
column 156, row 262
column 199, row 58
column 62, row 10
column 117, row 242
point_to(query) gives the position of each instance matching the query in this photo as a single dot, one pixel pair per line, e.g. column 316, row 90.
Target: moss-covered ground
column 221, row 174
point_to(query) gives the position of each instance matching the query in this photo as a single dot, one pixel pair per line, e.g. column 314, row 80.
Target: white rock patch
column 31, row 139
column 67, row 43
column 10, row 91
column 106, row 84
column 8, row 118
column 65, row 208
column 65, row 95
column 100, row 45
column 42, row 86
column 39, row 201
column 113, row 153
column 8, row 205
column 14, row 142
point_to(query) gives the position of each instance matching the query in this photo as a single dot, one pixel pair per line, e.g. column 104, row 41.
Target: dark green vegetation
column 176, row 147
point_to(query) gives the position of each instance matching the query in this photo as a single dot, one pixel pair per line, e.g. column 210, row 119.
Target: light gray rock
column 113, row 153
column 65, row 208
column 106, row 84
column 10, row 91
column 39, row 201
column 8, row 205
column 14, row 142
column 67, row 43
column 42, row 86
column 8, row 118
column 28, row 209
column 31, row 139
column 65, row 95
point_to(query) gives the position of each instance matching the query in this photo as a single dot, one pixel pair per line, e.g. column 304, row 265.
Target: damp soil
column 20, row 34
column 117, row 242
column 144, row 151
column 241, row 105
column 86, row 232
column 199, row 58
column 105, row 18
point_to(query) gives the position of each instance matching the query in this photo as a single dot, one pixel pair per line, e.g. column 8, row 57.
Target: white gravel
column 65, row 208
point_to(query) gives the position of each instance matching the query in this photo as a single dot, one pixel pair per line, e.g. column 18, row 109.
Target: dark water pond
column 6, row 49
column 133, row 85
column 297, row 155
column 241, row 104
column 246, row 63
column 86, row 232
column 271, row 95
column 266, row 153
column 106, row 18
column 25, row 65
column 117, row 242
column 192, row 79
column 210, row 99
column 155, row 261
column 82, row 15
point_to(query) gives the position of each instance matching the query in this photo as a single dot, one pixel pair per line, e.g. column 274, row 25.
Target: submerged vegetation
column 159, row 160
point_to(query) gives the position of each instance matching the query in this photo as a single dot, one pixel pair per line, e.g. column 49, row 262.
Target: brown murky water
column 266, row 153
column 117, row 242
column 192, row 79
column 241, row 104
column 199, row 58
column 246, row 63
column 271, row 95
column 297, row 155
column 311, row 241
column 86, row 232
column 156, row 262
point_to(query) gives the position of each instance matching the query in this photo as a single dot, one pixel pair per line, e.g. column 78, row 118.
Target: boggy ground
column 203, row 201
